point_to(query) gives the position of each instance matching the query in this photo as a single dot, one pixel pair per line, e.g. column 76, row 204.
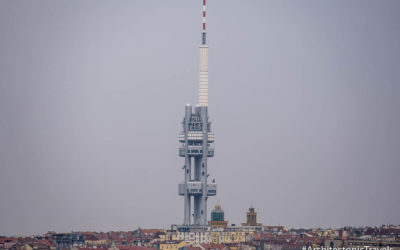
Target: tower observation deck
column 196, row 139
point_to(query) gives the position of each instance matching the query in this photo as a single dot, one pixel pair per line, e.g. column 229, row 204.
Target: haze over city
column 303, row 98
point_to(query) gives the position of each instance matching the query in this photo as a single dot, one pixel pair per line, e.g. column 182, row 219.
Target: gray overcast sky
column 304, row 99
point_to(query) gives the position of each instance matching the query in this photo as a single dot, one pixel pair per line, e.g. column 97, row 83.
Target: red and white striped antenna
column 204, row 23
column 204, row 15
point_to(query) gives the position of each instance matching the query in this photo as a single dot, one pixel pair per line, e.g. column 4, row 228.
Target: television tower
column 196, row 139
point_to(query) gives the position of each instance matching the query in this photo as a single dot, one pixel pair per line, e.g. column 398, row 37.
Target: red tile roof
column 87, row 248
column 45, row 242
column 193, row 248
column 212, row 246
column 150, row 231
column 133, row 248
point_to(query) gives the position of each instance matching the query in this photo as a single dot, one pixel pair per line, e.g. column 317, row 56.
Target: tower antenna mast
column 204, row 32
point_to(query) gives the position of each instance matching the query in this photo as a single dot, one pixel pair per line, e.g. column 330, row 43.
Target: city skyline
column 305, row 99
